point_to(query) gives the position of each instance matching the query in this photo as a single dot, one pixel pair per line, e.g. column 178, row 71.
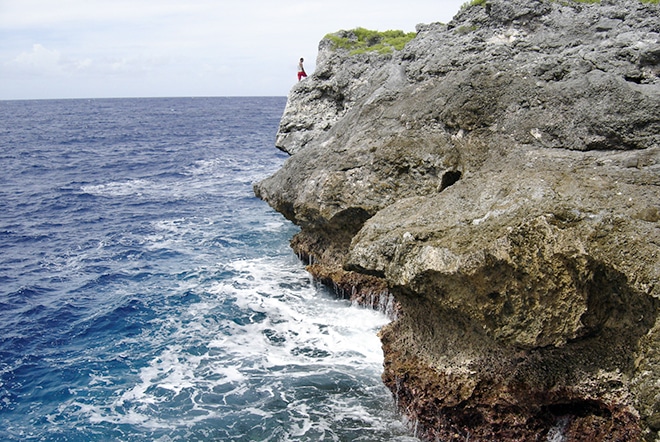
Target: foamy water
column 148, row 295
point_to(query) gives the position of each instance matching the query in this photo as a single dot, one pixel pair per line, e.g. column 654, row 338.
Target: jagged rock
column 501, row 176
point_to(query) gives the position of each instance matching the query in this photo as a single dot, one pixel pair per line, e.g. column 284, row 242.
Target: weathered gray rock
column 501, row 175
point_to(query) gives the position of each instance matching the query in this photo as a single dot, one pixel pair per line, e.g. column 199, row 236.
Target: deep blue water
column 146, row 294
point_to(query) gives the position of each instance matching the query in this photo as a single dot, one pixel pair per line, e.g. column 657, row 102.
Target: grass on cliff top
column 471, row 3
column 361, row 40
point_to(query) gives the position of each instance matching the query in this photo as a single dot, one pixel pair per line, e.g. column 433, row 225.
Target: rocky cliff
column 500, row 176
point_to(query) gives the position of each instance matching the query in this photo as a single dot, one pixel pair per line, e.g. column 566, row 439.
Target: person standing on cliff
column 301, row 69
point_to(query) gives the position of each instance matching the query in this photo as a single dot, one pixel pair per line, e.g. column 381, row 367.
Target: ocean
column 146, row 294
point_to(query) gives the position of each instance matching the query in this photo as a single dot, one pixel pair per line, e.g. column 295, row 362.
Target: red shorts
column 301, row 74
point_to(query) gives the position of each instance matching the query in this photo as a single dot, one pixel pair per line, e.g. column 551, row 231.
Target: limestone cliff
column 500, row 176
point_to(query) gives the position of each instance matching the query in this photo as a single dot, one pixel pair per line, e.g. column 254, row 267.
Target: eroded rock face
column 501, row 177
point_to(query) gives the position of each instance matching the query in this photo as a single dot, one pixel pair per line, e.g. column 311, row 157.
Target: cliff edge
column 500, row 176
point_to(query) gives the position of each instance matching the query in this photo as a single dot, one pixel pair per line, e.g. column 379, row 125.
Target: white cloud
column 80, row 65
column 38, row 60
column 208, row 47
column 46, row 62
column 19, row 14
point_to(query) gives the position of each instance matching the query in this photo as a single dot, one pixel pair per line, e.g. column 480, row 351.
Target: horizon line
column 144, row 97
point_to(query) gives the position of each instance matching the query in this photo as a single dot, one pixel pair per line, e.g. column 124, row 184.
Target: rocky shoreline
column 500, row 177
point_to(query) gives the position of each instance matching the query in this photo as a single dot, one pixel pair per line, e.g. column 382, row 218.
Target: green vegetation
column 462, row 30
column 471, row 3
column 361, row 40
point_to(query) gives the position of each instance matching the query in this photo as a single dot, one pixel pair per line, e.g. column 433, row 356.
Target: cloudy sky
column 165, row 48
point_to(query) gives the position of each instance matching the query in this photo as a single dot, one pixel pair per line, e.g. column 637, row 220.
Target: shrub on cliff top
column 361, row 40
column 471, row 3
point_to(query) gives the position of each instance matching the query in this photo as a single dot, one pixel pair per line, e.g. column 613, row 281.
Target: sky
column 177, row 48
